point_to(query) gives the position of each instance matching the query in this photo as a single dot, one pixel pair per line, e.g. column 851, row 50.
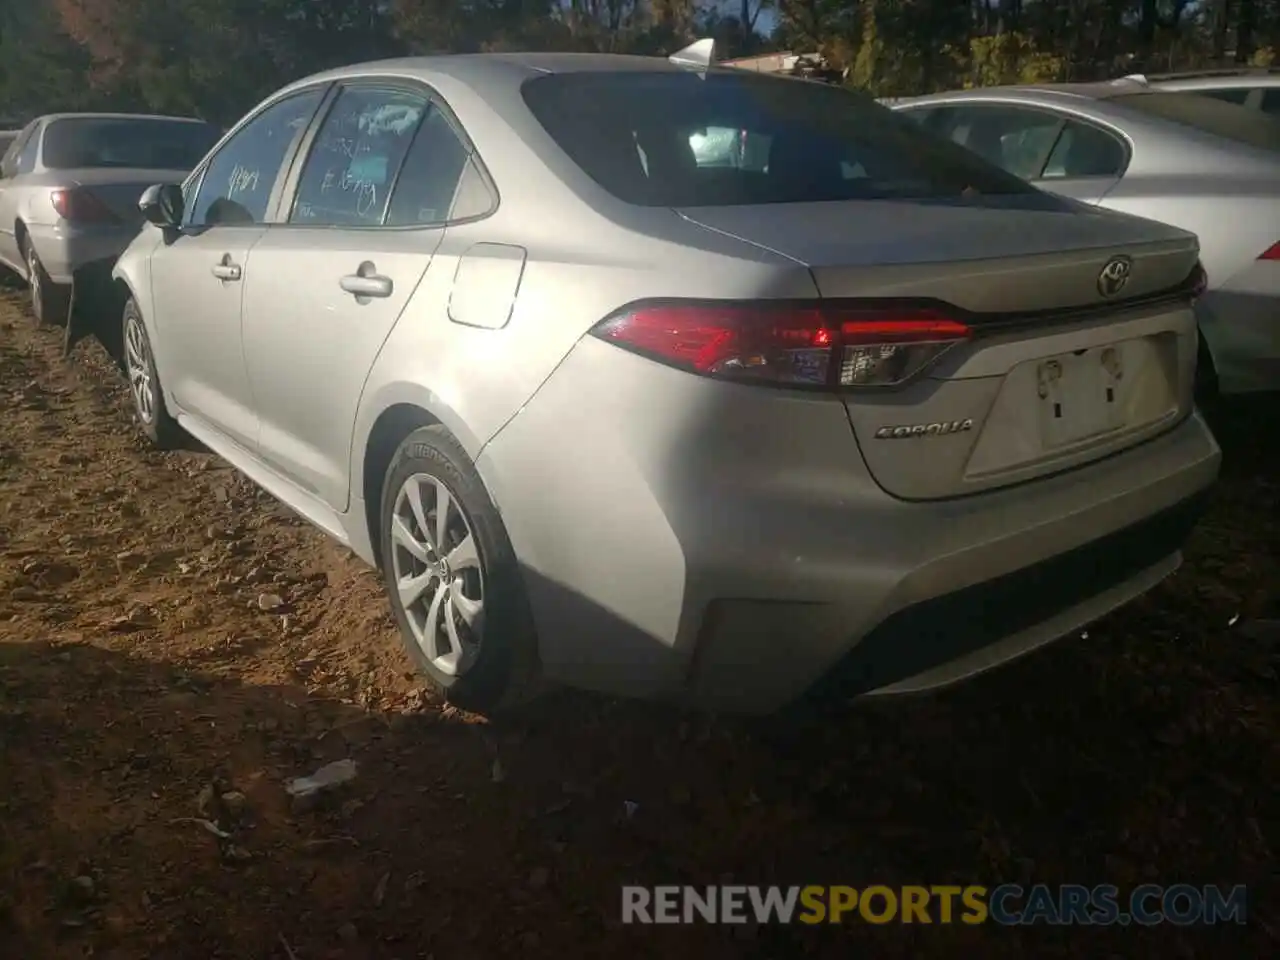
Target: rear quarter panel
column 1236, row 219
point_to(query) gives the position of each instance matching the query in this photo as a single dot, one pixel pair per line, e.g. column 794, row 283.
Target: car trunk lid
column 120, row 189
column 1082, row 343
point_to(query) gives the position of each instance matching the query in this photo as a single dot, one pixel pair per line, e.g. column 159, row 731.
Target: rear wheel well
column 392, row 426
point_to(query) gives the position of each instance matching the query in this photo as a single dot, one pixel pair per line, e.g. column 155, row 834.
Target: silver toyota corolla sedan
column 1201, row 164
column 69, row 186
column 850, row 411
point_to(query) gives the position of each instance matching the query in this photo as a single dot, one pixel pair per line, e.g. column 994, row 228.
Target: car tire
column 144, row 382
column 485, row 664
column 49, row 301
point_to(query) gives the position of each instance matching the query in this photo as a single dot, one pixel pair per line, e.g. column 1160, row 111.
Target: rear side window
column 25, row 162
column 1271, row 101
column 78, row 143
column 1085, row 151
column 1225, row 120
column 731, row 138
column 357, row 153
column 427, row 185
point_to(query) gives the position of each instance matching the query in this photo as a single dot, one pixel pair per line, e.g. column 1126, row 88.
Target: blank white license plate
column 1079, row 396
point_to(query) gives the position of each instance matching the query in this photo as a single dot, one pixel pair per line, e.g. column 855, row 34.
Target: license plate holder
column 1080, row 396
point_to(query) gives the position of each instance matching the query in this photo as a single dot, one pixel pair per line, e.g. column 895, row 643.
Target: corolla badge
column 1114, row 276
column 909, row 431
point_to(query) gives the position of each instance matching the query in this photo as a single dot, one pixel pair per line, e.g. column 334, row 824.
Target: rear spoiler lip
column 1184, row 292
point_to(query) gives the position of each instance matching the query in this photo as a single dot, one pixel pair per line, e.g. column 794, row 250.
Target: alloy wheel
column 137, row 358
column 438, row 573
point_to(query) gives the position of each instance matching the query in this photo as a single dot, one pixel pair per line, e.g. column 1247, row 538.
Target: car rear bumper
column 64, row 250
column 725, row 544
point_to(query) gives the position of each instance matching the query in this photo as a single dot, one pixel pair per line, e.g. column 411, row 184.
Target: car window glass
column 237, row 182
column 1015, row 138
column 1233, row 95
column 1085, row 151
column 726, row 147
column 425, row 191
column 730, row 138
column 356, row 156
column 27, row 155
column 9, row 163
column 1271, row 101
column 76, row 143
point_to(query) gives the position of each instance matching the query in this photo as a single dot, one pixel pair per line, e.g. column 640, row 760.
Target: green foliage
column 215, row 58
column 1008, row 58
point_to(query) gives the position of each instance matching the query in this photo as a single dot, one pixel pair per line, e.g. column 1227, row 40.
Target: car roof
column 482, row 69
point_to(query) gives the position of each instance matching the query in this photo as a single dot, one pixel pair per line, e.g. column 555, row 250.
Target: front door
column 364, row 220
column 198, row 277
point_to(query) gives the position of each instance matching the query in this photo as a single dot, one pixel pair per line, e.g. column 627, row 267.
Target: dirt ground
column 169, row 635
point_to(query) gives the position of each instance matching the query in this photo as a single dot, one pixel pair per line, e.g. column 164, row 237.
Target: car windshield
column 680, row 139
column 1208, row 115
column 79, row 142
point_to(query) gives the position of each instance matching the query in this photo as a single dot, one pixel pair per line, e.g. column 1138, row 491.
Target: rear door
column 356, row 230
column 1064, row 154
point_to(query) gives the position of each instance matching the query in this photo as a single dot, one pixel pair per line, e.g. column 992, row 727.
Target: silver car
column 860, row 413
column 69, row 187
column 1206, row 166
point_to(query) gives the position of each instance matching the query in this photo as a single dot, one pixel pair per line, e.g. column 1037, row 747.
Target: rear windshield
column 678, row 139
column 79, row 142
column 1208, row 115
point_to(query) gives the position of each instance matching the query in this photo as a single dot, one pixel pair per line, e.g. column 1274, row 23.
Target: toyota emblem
column 1114, row 276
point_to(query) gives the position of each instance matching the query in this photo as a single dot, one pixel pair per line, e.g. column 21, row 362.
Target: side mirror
column 162, row 204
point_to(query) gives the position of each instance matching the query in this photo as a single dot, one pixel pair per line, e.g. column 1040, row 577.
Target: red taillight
column 1271, row 253
column 78, row 205
column 837, row 345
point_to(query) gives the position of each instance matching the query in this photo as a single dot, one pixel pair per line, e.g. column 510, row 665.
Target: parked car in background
column 6, row 139
column 1209, row 167
column 841, row 404
column 1255, row 88
column 69, row 188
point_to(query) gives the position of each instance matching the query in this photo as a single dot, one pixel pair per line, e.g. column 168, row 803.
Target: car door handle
column 226, row 271
column 366, row 285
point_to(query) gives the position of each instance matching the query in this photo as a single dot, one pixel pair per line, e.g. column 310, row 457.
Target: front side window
column 237, row 183
column 1271, row 101
column 79, row 143
column 356, row 157
column 682, row 139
